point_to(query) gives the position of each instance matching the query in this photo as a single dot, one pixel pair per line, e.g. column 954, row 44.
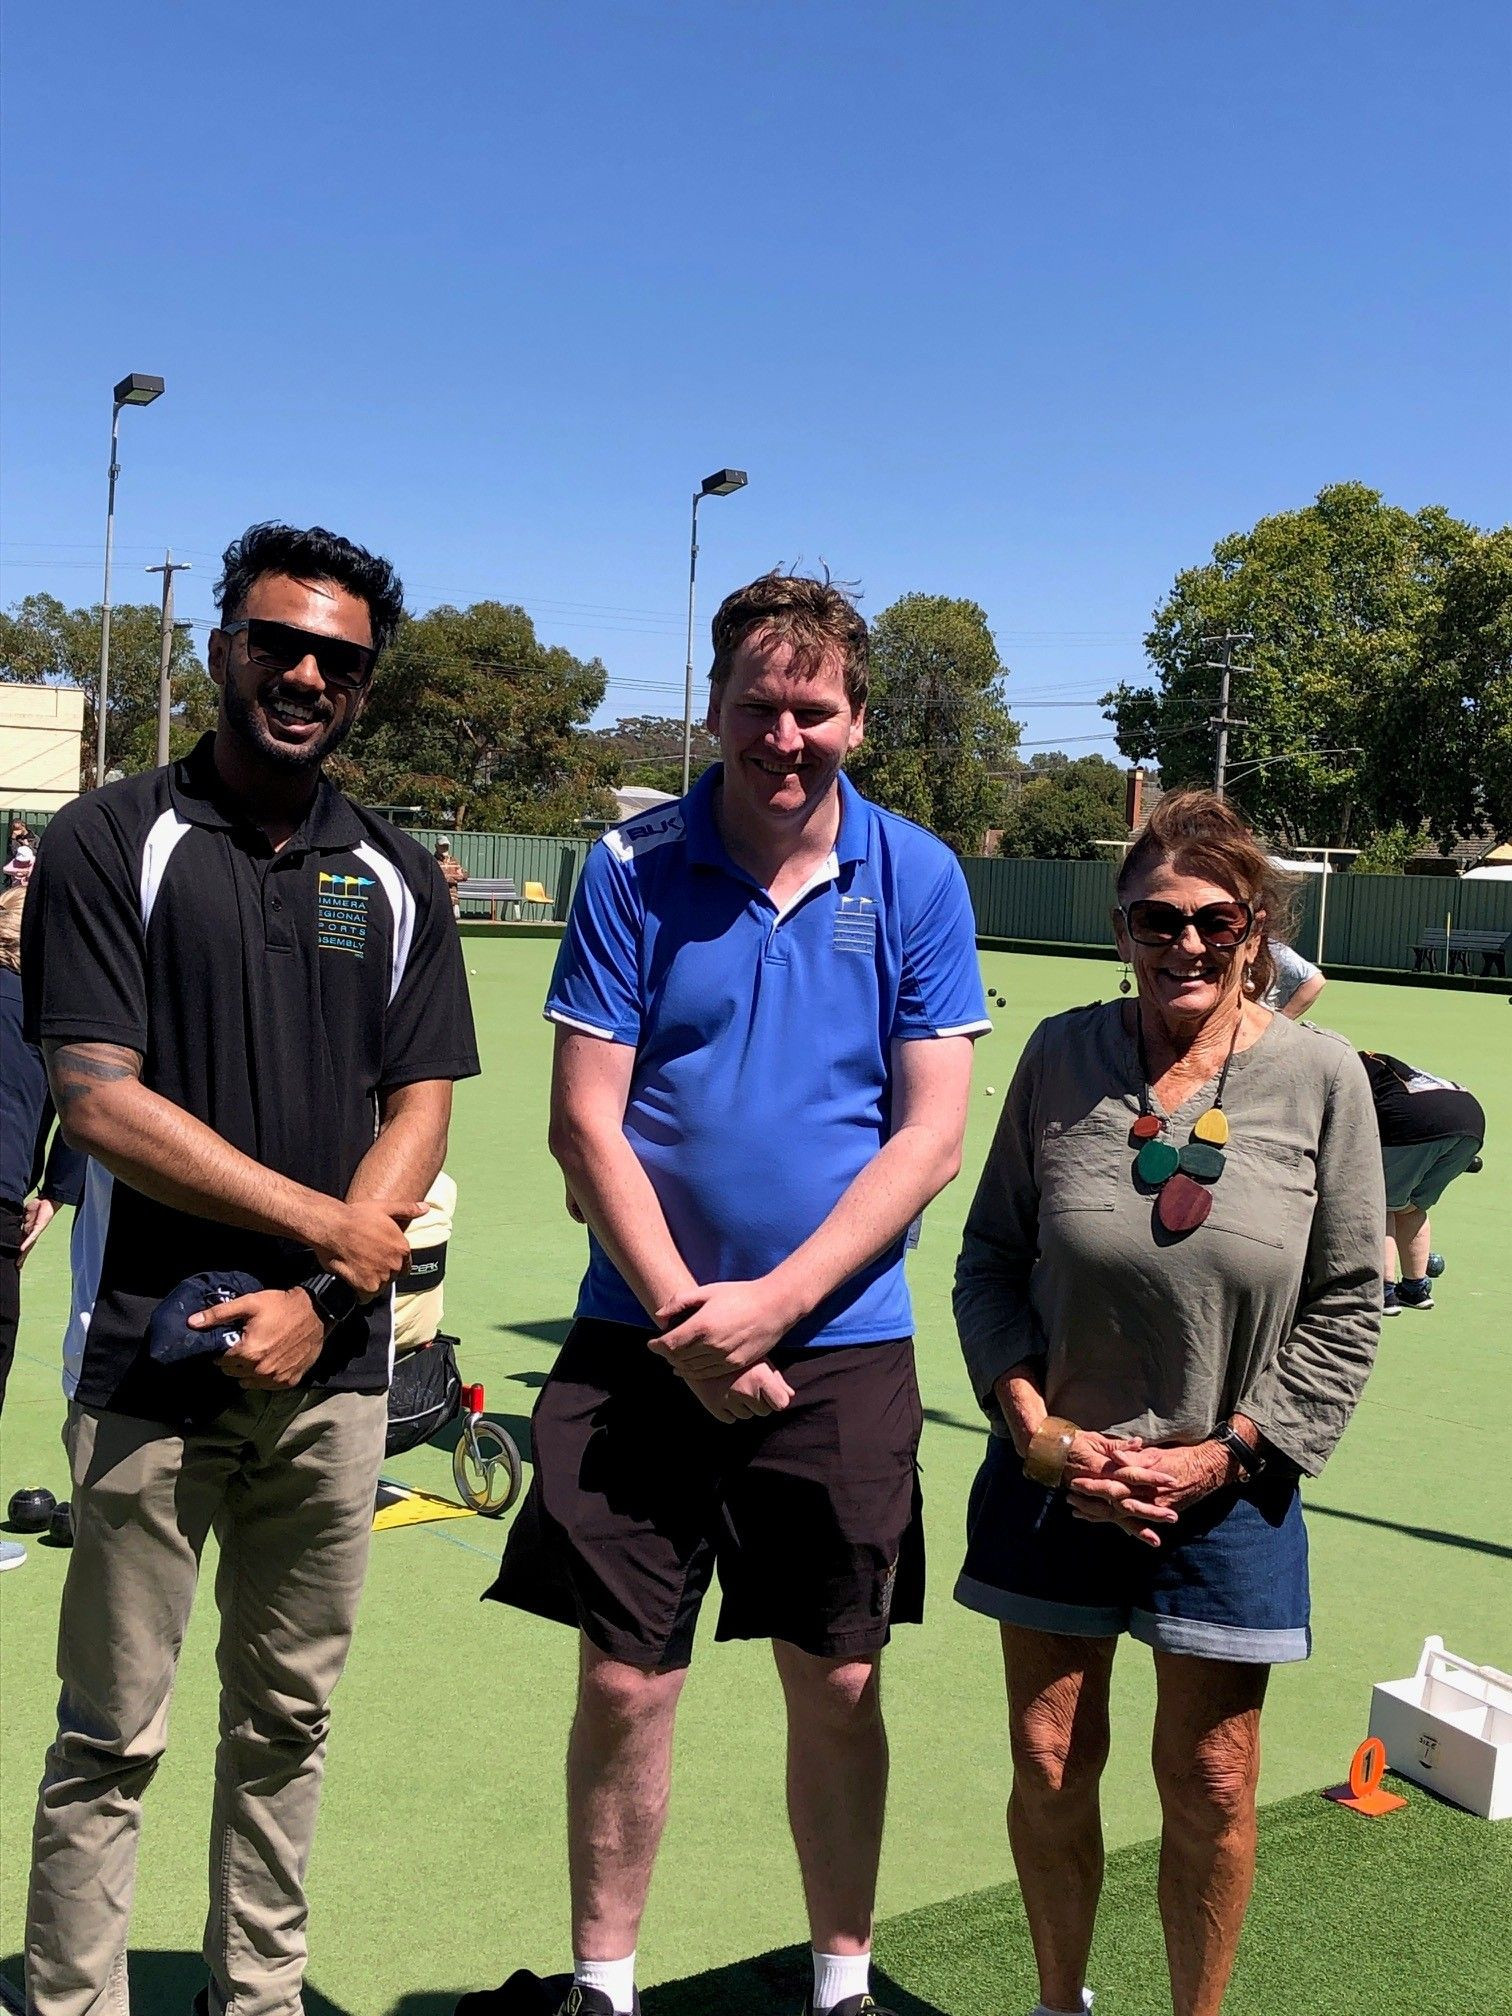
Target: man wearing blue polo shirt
column 765, row 1005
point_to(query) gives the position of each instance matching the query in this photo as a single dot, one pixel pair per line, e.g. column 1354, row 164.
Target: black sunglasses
column 279, row 647
column 1221, row 926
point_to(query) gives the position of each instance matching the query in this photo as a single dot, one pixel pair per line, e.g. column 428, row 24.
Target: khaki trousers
column 286, row 1483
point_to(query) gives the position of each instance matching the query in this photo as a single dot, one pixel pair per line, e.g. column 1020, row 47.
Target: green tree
column 44, row 644
column 938, row 732
column 1061, row 809
column 477, row 722
column 1455, row 707
column 1389, row 851
column 1339, row 600
column 647, row 750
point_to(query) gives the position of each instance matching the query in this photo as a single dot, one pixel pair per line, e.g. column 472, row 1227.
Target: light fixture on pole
column 137, row 388
column 720, row 484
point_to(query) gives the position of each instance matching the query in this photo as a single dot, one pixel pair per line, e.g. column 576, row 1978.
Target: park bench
column 495, row 890
column 1457, row 947
column 501, row 892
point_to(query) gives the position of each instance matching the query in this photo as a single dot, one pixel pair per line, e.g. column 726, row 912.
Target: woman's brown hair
column 1201, row 834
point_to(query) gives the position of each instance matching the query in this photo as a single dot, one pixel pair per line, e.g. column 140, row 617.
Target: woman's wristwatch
column 1251, row 1461
column 334, row 1299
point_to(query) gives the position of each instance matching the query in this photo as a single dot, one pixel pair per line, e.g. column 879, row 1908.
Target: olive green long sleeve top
column 1271, row 1308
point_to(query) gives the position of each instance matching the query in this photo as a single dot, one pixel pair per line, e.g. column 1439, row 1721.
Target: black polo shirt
column 275, row 996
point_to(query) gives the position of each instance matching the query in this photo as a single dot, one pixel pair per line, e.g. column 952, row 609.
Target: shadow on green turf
column 772, row 1982
column 1430, row 1533
column 165, row 1984
column 551, row 1330
column 941, row 1419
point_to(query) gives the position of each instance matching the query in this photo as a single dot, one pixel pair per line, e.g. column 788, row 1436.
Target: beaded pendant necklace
column 1180, row 1176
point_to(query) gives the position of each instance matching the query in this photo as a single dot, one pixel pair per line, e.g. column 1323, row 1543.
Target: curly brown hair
column 815, row 617
column 1201, row 834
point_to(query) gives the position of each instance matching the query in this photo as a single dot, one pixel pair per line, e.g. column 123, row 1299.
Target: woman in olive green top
column 1169, row 1301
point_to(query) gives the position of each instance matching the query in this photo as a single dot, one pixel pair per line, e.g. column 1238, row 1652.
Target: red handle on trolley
column 473, row 1395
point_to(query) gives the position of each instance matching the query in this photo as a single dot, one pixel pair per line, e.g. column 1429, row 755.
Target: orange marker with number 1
column 1363, row 1793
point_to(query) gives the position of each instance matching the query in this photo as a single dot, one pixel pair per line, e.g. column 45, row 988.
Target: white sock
column 614, row 1978
column 838, row 1975
column 1082, row 2008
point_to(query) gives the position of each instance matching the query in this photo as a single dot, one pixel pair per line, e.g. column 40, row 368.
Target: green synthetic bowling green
column 440, row 1861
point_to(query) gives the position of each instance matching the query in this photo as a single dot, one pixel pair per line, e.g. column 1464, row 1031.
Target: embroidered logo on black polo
column 341, row 918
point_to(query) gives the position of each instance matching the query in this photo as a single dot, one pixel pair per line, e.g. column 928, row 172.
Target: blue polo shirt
column 763, row 1038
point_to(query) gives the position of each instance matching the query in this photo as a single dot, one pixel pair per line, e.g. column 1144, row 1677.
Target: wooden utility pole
column 1223, row 720
column 169, row 568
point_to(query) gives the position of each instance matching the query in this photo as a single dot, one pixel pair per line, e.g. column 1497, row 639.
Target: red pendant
column 1183, row 1204
column 1145, row 1128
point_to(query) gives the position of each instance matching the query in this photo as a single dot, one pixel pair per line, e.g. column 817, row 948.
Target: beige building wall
column 41, row 744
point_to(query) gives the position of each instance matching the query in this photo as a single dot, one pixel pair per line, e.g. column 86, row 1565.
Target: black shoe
column 523, row 1994
column 526, row 1994
column 853, row 2005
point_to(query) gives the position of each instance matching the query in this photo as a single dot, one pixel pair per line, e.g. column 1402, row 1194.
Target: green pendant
column 1203, row 1160
column 1156, row 1161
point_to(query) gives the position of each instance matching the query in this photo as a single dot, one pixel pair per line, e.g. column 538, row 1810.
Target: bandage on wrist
column 1049, row 1446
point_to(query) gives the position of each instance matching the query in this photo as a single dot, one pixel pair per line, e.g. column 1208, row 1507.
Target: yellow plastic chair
column 535, row 892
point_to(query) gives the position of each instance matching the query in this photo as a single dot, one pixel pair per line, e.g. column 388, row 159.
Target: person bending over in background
column 1431, row 1131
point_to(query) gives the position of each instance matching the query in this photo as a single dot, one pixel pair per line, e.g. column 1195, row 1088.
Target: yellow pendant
column 1212, row 1126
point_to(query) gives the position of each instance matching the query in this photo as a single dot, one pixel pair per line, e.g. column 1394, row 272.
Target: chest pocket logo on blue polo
column 341, row 917
column 856, row 925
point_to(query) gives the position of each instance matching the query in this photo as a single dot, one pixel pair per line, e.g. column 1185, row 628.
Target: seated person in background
column 1431, row 1131
column 1297, row 984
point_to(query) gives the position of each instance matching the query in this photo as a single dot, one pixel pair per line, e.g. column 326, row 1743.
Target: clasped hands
column 1123, row 1481
column 282, row 1334
column 716, row 1338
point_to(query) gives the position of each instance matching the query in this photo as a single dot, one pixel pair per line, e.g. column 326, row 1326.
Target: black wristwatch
column 1250, row 1461
column 334, row 1299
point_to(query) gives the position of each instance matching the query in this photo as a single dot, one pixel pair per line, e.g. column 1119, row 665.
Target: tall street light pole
column 720, row 484
column 136, row 389
column 169, row 568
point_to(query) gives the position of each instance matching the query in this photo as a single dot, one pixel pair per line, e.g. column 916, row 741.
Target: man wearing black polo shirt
column 251, row 999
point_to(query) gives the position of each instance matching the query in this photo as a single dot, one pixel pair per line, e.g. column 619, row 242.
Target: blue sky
column 1029, row 303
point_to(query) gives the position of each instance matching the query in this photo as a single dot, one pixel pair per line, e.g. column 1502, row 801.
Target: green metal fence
column 1357, row 920
column 1054, row 902
column 523, row 857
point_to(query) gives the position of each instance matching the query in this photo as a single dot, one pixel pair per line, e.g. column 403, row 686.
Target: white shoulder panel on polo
column 401, row 902
column 640, row 836
column 164, row 835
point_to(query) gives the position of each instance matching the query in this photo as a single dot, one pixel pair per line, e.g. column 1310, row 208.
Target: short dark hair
column 314, row 555
column 815, row 617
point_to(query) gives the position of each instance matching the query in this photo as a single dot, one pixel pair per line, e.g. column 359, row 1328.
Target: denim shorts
column 1229, row 1581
